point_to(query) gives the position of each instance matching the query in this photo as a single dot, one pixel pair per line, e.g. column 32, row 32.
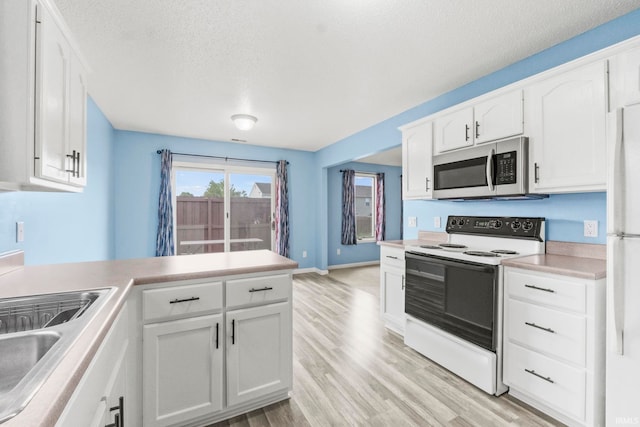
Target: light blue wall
column 67, row 227
column 137, row 186
column 369, row 251
column 565, row 212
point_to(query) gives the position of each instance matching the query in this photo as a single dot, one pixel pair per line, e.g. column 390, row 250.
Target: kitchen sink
column 35, row 334
column 20, row 354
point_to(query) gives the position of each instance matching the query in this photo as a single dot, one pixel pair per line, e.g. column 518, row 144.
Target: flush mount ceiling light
column 244, row 121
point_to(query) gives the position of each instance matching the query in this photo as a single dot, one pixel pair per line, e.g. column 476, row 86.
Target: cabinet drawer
column 550, row 331
column 554, row 383
column 180, row 300
column 258, row 290
column 546, row 290
column 392, row 257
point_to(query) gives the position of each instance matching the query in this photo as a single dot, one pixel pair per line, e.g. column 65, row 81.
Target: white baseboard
column 354, row 264
column 310, row 270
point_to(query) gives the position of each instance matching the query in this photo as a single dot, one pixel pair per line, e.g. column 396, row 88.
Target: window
column 220, row 208
column 365, row 206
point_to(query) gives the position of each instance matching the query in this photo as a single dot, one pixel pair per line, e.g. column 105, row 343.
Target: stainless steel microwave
column 497, row 169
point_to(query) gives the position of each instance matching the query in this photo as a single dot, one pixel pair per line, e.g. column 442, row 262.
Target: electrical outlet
column 590, row 228
column 304, row 254
column 413, row 221
column 20, row 231
column 436, row 222
column 338, row 251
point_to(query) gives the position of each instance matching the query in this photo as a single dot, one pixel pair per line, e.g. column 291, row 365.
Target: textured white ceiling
column 312, row 71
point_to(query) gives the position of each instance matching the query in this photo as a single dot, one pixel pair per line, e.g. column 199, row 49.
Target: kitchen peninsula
column 237, row 295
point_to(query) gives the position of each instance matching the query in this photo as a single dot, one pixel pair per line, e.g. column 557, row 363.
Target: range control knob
column 528, row 225
column 454, row 222
column 461, row 222
column 515, row 224
column 497, row 224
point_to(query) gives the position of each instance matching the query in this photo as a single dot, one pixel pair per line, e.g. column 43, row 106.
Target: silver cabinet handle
column 266, row 288
column 533, row 325
column 176, row 301
column 426, row 184
column 532, row 372
column 536, row 173
column 392, row 257
column 540, row 289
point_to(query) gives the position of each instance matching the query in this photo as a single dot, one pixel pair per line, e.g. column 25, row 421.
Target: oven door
column 455, row 296
column 464, row 174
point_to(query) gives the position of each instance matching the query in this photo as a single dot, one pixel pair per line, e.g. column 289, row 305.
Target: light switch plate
column 436, row 222
column 590, row 228
column 413, row 221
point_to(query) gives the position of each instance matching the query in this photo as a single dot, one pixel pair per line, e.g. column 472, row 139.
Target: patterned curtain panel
column 348, row 207
column 164, row 237
column 379, row 207
column 282, row 209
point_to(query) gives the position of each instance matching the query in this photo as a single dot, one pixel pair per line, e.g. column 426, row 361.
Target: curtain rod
column 362, row 172
column 220, row 157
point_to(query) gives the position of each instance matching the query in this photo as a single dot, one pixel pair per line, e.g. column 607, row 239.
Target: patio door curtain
column 164, row 237
column 379, row 213
column 348, row 235
column 282, row 209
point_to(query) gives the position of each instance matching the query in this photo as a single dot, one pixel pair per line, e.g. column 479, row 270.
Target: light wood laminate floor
column 349, row 370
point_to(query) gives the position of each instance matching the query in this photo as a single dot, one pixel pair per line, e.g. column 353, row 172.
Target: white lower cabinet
column 213, row 350
column 554, row 344
column 106, row 388
column 182, row 370
column 258, row 352
column 392, row 288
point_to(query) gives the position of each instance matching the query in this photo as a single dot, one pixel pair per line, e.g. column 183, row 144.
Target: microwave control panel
column 506, row 165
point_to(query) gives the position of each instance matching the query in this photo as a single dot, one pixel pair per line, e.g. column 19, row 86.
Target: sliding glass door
column 222, row 209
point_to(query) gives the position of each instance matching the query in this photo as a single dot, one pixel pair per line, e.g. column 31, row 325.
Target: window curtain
column 348, row 207
column 164, row 237
column 379, row 206
column 282, row 209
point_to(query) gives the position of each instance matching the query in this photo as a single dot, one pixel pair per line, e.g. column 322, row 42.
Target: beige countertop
column 48, row 403
column 581, row 267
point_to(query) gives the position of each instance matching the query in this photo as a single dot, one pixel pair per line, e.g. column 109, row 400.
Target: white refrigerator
column 623, row 268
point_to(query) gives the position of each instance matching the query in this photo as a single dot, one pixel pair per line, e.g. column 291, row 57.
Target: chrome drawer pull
column 532, row 372
column 175, row 301
column 266, row 288
column 392, row 257
column 540, row 327
column 540, row 289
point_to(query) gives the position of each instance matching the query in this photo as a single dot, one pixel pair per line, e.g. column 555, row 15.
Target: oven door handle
column 439, row 261
column 489, row 170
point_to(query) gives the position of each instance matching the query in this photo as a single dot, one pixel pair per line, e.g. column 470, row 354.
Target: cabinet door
column 77, row 123
column 258, row 352
column 417, row 165
column 392, row 297
column 566, row 125
column 498, row 118
column 182, row 370
column 631, row 77
column 51, row 99
column 454, row 130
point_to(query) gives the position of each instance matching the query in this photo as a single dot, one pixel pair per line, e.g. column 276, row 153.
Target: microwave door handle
column 489, row 170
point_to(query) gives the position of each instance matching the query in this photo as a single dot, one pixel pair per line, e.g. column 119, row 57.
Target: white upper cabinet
column 417, row 166
column 499, row 117
column 43, row 134
column 454, row 130
column 495, row 118
column 565, row 123
column 625, row 79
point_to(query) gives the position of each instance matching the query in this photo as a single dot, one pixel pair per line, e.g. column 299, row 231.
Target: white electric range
column 454, row 294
